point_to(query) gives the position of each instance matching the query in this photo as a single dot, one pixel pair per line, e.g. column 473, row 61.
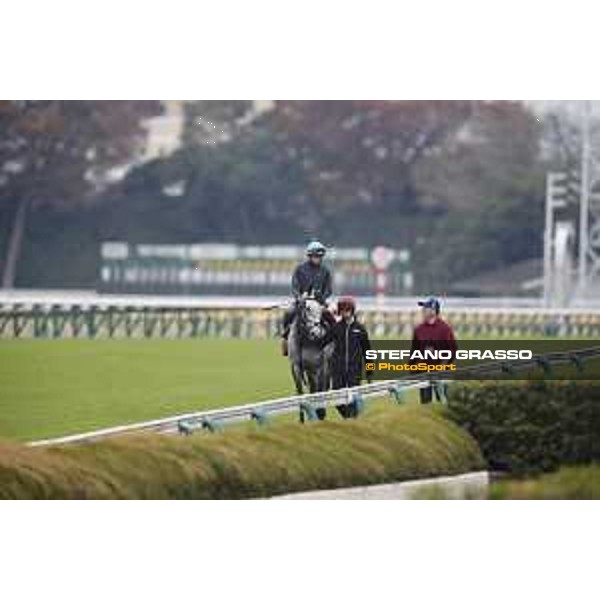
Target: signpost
column 382, row 258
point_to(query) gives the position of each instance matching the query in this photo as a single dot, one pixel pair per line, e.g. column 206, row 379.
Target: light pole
column 548, row 230
column 556, row 197
column 584, row 205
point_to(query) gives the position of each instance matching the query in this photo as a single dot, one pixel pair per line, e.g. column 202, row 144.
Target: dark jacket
column 315, row 279
column 351, row 342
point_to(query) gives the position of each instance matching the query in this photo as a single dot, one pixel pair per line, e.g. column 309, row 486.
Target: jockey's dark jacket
column 312, row 279
column 351, row 342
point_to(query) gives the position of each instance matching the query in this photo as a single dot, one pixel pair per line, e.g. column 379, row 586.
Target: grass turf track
column 56, row 387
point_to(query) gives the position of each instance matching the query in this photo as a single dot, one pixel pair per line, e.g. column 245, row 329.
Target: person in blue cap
column 433, row 333
column 312, row 278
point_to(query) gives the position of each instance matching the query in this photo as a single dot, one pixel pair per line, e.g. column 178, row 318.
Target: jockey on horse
column 311, row 277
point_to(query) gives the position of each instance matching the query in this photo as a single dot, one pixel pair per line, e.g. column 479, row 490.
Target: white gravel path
column 471, row 485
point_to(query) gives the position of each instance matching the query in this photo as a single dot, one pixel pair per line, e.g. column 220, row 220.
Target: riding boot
column 284, row 347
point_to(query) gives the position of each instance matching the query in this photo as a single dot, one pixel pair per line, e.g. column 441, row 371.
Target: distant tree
column 359, row 155
column 459, row 183
column 352, row 154
column 497, row 149
column 59, row 153
column 484, row 192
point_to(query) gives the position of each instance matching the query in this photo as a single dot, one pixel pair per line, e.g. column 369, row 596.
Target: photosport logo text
column 476, row 360
column 430, row 361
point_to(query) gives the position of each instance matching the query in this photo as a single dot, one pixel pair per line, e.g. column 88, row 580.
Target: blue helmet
column 431, row 302
column 315, row 248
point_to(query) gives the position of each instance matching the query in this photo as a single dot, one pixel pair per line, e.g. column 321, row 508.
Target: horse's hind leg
column 315, row 385
column 323, row 385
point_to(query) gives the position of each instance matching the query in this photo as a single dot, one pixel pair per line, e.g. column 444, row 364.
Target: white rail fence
column 61, row 314
column 261, row 412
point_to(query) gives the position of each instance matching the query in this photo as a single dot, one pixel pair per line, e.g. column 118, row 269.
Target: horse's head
column 313, row 310
column 311, row 317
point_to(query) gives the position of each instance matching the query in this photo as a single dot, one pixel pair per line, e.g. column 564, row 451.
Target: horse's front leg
column 297, row 377
column 298, row 382
column 315, row 379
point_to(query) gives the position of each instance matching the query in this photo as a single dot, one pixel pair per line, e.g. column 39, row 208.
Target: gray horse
column 309, row 360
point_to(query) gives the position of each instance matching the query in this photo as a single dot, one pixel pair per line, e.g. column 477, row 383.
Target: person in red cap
column 351, row 341
column 433, row 333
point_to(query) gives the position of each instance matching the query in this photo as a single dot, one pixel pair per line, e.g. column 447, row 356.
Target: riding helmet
column 315, row 248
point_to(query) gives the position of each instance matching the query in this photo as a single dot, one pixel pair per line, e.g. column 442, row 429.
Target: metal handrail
column 232, row 414
column 211, row 419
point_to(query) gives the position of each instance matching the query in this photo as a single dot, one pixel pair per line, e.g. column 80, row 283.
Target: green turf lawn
column 55, row 387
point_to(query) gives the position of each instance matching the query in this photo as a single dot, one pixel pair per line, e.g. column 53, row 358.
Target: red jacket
column 434, row 336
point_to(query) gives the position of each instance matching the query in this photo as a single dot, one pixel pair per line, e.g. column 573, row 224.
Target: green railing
column 155, row 321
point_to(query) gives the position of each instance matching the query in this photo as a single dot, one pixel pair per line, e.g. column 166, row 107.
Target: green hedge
column 530, row 427
column 392, row 445
column 568, row 483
